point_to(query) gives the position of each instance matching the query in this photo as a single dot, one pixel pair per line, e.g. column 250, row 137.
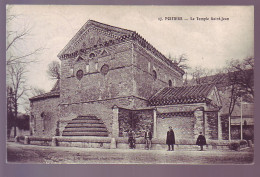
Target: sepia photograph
column 130, row 84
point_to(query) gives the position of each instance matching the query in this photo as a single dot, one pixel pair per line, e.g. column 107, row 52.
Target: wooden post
column 229, row 127
column 219, row 128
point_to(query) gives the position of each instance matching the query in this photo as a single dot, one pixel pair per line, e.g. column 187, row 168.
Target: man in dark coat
column 148, row 138
column 201, row 140
column 170, row 140
column 131, row 139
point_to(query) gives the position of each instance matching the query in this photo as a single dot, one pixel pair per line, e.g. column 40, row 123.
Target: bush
column 234, row 146
column 243, row 142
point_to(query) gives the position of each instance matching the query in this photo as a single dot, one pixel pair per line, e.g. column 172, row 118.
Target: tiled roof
column 181, row 95
column 55, row 92
column 223, row 79
column 218, row 79
column 45, row 95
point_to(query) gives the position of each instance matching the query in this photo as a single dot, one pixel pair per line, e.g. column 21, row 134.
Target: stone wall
column 183, row 127
column 181, row 118
column 180, row 107
column 44, row 116
column 144, row 65
column 137, row 120
column 187, row 121
column 95, row 85
column 224, row 126
column 102, row 109
column 211, row 125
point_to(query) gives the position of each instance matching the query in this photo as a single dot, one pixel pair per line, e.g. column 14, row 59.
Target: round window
column 104, row 69
column 79, row 74
column 92, row 55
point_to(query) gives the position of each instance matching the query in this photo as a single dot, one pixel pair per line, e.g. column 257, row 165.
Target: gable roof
column 119, row 35
column 55, row 92
column 112, row 30
column 182, row 95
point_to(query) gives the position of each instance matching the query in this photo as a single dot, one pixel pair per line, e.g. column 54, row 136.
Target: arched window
column 43, row 121
column 154, row 74
column 170, row 83
column 92, row 55
column 33, row 121
column 42, row 115
column 104, row 69
column 79, row 74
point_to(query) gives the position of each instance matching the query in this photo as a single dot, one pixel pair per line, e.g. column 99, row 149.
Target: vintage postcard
column 130, row 84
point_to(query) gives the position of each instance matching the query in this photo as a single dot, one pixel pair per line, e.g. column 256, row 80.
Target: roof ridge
column 119, row 28
column 182, row 94
column 83, row 28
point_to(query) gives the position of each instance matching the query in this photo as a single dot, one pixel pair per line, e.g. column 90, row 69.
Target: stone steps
column 85, row 126
column 85, row 129
column 86, row 117
column 84, row 133
column 76, row 121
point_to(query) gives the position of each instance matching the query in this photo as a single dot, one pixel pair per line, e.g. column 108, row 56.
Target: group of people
column 147, row 137
column 170, row 139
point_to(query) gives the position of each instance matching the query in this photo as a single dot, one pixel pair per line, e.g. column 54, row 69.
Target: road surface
column 20, row 153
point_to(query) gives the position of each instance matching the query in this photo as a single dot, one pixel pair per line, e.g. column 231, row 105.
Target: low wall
column 89, row 142
column 122, row 143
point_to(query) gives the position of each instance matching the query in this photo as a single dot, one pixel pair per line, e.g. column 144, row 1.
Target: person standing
column 170, row 140
column 201, row 140
column 148, row 138
column 131, row 139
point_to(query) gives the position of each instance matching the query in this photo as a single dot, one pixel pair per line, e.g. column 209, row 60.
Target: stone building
column 112, row 80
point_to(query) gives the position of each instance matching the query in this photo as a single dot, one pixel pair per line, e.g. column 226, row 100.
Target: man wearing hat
column 170, row 140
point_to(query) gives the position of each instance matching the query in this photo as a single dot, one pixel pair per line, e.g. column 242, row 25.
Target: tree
column 17, row 38
column 54, row 70
column 243, row 75
column 180, row 61
column 16, row 82
column 240, row 83
column 10, row 110
column 198, row 75
column 19, row 53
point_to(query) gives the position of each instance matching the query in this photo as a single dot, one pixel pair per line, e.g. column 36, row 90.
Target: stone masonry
column 112, row 73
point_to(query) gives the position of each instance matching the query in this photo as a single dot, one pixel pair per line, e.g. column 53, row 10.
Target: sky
column 207, row 43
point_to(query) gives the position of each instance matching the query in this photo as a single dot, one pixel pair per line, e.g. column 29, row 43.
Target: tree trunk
column 15, row 117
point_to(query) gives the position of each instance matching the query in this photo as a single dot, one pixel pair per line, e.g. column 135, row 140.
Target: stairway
column 85, row 126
